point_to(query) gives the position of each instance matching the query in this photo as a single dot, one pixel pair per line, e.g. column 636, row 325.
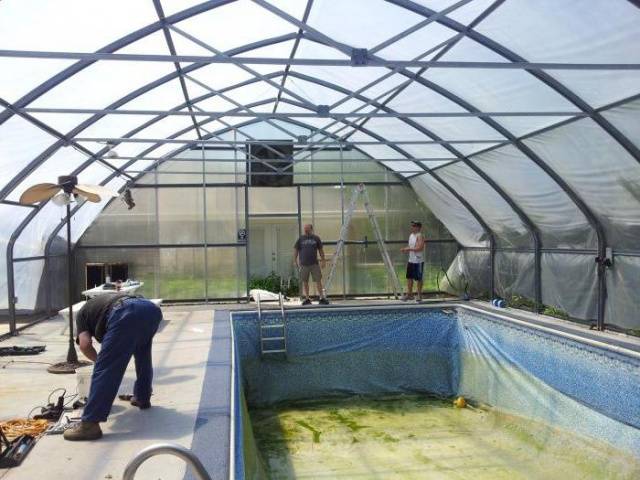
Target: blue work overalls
column 131, row 326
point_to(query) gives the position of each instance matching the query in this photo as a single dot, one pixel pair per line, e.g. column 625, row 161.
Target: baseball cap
column 416, row 223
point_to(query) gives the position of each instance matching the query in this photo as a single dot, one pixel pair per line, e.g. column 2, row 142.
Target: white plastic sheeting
column 602, row 171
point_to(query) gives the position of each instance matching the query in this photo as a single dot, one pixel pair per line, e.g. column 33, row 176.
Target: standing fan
column 61, row 194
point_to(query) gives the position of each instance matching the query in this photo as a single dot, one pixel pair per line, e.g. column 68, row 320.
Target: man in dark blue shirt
column 305, row 257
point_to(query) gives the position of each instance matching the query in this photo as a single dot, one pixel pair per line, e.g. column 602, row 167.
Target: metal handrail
column 259, row 309
column 281, row 300
column 165, row 448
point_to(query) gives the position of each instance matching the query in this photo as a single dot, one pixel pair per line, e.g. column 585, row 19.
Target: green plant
column 555, row 312
column 274, row 283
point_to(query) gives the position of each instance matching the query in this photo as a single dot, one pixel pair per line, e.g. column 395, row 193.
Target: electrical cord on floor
column 24, row 361
column 53, row 411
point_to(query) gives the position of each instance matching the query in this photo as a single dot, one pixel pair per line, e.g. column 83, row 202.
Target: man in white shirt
column 415, row 265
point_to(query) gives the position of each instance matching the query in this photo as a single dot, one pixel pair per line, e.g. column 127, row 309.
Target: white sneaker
column 406, row 298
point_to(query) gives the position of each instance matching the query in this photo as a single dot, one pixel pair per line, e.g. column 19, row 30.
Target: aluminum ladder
column 273, row 336
column 361, row 191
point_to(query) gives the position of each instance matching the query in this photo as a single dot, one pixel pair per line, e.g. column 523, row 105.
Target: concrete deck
column 181, row 349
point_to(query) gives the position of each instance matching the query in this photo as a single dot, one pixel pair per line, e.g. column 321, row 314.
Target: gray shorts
column 313, row 270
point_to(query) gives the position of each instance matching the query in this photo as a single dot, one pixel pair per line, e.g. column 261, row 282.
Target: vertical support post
column 246, row 220
column 299, row 210
column 237, row 214
column 602, row 285
column 72, row 356
column 492, row 267
column 156, row 211
column 204, row 226
column 11, row 290
column 344, row 263
column 537, row 272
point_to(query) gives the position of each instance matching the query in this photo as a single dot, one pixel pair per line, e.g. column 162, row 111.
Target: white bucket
column 83, row 377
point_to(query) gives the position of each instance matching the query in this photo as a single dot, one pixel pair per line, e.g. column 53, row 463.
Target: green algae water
column 416, row 437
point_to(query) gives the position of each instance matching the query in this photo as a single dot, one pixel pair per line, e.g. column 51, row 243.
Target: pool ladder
column 273, row 336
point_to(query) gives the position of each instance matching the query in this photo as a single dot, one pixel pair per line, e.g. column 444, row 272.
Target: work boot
column 83, row 431
column 141, row 405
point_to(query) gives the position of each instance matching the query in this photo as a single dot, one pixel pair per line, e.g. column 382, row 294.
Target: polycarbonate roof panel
column 20, row 143
column 234, row 25
column 116, row 125
column 561, row 223
column 103, row 83
column 77, row 25
column 600, row 171
column 502, row 219
column 599, row 88
column 450, row 211
column 20, row 76
column 600, row 31
column 360, row 23
column 625, row 118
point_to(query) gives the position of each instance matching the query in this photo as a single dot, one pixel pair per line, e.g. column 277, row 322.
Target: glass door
column 271, row 245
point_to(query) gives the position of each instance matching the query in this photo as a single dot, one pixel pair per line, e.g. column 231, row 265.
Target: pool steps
column 271, row 342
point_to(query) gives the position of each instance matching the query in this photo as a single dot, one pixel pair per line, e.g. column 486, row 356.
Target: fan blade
column 97, row 190
column 90, row 196
column 39, row 193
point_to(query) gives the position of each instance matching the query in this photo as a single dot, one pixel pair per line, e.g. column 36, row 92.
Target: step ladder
column 361, row 191
column 273, row 336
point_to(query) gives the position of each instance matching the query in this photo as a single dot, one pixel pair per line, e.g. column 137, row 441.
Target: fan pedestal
column 67, row 367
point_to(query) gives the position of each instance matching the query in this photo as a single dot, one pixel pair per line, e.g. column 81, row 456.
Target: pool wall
column 587, row 389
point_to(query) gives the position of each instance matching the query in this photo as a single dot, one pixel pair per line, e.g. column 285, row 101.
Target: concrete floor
column 180, row 352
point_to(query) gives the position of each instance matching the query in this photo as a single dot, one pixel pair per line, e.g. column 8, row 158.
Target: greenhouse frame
column 520, row 151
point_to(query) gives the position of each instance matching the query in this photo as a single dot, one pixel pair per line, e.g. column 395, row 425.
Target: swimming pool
column 575, row 385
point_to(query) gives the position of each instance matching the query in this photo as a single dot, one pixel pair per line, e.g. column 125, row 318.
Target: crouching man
column 125, row 327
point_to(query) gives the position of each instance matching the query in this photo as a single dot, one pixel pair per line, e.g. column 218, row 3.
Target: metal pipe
column 329, row 62
column 72, row 356
column 281, row 142
column 286, row 115
column 165, row 449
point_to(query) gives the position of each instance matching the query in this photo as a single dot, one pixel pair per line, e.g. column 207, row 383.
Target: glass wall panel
column 515, row 274
column 181, row 273
column 264, row 200
column 227, row 277
column 623, row 301
column 322, row 207
column 117, row 225
column 225, row 214
column 569, row 283
column 142, row 265
column 180, row 212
